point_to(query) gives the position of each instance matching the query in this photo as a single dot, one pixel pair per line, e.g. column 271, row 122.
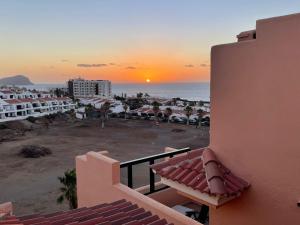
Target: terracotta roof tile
column 25, row 100
column 12, row 101
column 201, row 170
column 116, row 213
column 6, row 92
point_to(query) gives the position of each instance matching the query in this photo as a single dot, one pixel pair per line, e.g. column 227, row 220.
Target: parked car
column 176, row 119
column 205, row 121
column 193, row 121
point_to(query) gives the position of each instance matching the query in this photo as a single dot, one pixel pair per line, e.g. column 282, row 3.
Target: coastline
column 191, row 91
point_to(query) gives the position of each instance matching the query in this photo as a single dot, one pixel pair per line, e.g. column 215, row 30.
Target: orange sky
column 103, row 40
column 137, row 66
column 164, row 41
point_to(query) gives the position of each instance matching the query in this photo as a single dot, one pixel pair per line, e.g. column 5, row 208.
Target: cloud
column 91, row 65
column 64, row 60
column 112, row 64
column 189, row 65
column 131, row 68
column 204, row 65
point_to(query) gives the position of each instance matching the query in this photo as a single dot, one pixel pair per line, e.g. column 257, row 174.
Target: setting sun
column 148, row 80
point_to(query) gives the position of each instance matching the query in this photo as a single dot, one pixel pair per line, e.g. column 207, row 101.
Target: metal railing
column 151, row 160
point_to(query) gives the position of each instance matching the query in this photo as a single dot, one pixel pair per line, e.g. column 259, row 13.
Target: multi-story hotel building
column 89, row 88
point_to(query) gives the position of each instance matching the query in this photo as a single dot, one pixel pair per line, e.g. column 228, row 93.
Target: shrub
column 33, row 151
column 31, row 119
column 51, row 117
column 3, row 126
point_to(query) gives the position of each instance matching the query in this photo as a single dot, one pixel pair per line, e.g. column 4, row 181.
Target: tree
column 125, row 107
column 188, row 112
column 59, row 92
column 139, row 95
column 146, row 95
column 119, row 98
column 155, row 109
column 168, row 113
column 89, row 109
column 68, row 190
column 191, row 103
column 104, row 112
column 174, row 101
column 200, row 114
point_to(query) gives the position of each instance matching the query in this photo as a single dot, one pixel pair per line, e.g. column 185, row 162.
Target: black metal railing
column 151, row 160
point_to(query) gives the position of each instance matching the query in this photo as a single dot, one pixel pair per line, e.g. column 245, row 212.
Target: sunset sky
column 122, row 40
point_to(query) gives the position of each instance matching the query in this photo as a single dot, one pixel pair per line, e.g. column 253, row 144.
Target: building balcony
column 185, row 186
column 99, row 181
column 9, row 109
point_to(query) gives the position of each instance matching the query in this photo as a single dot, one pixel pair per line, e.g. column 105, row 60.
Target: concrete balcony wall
column 6, row 209
column 98, row 181
column 169, row 197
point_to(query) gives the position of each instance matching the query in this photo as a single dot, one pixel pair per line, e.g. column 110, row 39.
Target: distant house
column 7, row 94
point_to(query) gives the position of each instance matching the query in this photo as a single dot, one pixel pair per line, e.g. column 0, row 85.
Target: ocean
column 190, row 91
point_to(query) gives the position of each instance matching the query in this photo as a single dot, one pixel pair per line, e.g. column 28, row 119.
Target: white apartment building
column 89, row 88
column 18, row 106
column 11, row 94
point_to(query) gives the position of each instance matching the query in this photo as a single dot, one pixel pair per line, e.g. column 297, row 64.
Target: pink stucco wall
column 255, row 129
column 6, row 209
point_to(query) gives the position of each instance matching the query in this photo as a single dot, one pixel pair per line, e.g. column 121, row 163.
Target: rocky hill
column 15, row 80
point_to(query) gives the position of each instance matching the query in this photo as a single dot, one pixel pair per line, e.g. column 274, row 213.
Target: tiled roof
column 120, row 212
column 41, row 99
column 6, row 92
column 12, row 101
column 25, row 100
column 202, row 171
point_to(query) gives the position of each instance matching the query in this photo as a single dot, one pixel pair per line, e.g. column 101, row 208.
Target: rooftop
column 203, row 172
column 119, row 212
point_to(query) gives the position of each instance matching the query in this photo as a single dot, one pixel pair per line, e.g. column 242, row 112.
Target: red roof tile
column 201, row 170
column 116, row 213
column 25, row 100
column 12, row 101
column 6, row 92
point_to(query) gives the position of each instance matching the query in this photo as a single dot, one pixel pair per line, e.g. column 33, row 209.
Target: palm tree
column 155, row 109
column 125, row 107
column 200, row 113
column 188, row 112
column 104, row 112
column 168, row 113
column 89, row 110
column 68, row 190
column 139, row 95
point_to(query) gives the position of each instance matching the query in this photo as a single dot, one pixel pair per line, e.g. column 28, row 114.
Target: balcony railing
column 151, row 160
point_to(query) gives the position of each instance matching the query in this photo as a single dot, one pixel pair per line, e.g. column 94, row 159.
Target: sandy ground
column 32, row 184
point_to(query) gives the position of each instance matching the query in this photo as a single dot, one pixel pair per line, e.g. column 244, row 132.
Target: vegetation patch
column 31, row 119
column 68, row 189
column 177, row 130
column 33, row 151
column 3, row 126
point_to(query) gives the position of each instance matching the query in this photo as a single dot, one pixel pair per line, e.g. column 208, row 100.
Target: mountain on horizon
column 15, row 80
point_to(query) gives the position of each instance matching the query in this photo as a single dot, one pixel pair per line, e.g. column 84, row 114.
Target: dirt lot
column 32, row 184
